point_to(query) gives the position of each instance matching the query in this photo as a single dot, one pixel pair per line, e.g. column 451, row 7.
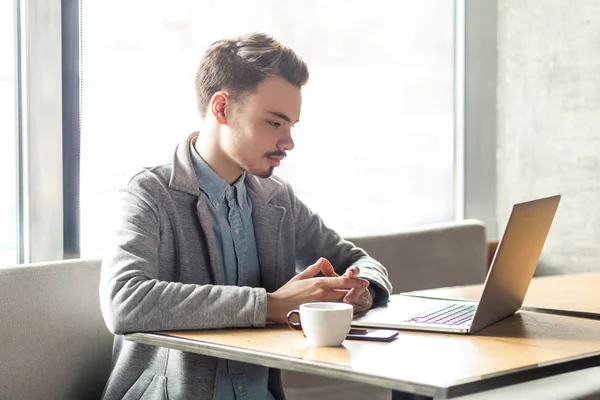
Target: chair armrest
column 576, row 385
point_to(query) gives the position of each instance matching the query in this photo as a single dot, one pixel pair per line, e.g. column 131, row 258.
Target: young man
column 214, row 240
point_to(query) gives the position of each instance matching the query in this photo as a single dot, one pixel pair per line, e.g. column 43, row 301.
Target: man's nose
column 286, row 143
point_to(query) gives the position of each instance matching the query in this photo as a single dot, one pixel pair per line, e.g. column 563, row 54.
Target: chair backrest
column 431, row 256
column 53, row 341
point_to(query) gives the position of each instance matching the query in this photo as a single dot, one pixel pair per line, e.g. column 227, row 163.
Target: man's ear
column 218, row 107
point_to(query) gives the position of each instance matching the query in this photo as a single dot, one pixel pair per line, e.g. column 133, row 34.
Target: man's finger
column 327, row 268
column 311, row 271
column 344, row 283
column 355, row 296
column 335, row 295
column 350, row 297
column 352, row 272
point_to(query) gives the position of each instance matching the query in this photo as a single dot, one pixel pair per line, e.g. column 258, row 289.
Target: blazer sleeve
column 134, row 299
column 314, row 240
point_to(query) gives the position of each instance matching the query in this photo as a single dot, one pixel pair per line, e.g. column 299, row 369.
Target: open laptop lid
column 515, row 260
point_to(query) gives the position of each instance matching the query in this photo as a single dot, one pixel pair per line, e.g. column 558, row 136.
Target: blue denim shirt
column 231, row 212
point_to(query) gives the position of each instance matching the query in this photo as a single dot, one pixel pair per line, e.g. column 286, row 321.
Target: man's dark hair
column 238, row 65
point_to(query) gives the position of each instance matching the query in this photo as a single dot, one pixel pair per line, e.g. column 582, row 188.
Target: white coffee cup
column 324, row 324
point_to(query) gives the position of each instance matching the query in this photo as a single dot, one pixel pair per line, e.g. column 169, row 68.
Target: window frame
column 48, row 130
column 39, row 130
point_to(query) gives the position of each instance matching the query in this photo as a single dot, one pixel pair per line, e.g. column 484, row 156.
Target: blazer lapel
column 268, row 223
column 207, row 229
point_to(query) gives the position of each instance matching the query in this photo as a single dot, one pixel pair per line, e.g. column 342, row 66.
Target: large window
column 8, row 215
column 374, row 148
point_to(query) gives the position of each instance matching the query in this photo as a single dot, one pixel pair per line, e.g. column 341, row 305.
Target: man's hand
column 360, row 298
column 305, row 288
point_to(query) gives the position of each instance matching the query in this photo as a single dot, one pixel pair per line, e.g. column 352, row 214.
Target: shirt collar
column 212, row 184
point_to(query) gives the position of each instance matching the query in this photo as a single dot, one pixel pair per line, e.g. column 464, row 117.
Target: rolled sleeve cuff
column 381, row 294
column 260, row 308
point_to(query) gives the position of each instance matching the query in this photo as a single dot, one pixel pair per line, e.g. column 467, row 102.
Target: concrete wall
column 548, row 120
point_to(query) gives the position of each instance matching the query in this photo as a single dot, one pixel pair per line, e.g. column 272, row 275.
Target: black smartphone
column 376, row 335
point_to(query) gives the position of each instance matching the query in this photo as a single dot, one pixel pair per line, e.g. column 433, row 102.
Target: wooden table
column 525, row 346
column 575, row 294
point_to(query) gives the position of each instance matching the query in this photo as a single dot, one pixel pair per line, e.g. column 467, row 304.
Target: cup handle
column 297, row 326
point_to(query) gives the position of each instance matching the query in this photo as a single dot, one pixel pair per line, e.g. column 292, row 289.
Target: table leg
column 408, row 396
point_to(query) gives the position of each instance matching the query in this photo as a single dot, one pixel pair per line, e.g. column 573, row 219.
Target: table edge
column 272, row 360
column 291, row 363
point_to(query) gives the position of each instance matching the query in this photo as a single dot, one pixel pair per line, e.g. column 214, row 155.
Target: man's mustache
column 278, row 153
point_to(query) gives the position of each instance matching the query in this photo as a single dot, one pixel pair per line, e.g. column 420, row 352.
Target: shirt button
column 229, row 191
column 217, row 204
column 236, row 231
column 240, row 388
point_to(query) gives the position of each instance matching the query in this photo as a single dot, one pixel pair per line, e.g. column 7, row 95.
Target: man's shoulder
column 161, row 172
column 153, row 180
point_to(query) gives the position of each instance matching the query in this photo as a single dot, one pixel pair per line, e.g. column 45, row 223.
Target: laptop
column 505, row 286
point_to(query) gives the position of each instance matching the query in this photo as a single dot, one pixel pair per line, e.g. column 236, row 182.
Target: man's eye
column 274, row 124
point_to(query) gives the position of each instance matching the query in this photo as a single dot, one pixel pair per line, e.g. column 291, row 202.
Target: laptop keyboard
column 453, row 314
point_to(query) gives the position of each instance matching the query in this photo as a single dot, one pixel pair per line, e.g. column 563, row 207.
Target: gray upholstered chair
column 53, row 341
column 454, row 253
column 431, row 256
column 576, row 385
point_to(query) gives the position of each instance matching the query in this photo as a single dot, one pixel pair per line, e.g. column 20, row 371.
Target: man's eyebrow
column 281, row 115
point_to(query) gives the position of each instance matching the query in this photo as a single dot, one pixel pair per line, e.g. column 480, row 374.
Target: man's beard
column 266, row 174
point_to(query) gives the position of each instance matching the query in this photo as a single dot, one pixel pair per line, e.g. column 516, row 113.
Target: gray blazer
column 162, row 273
